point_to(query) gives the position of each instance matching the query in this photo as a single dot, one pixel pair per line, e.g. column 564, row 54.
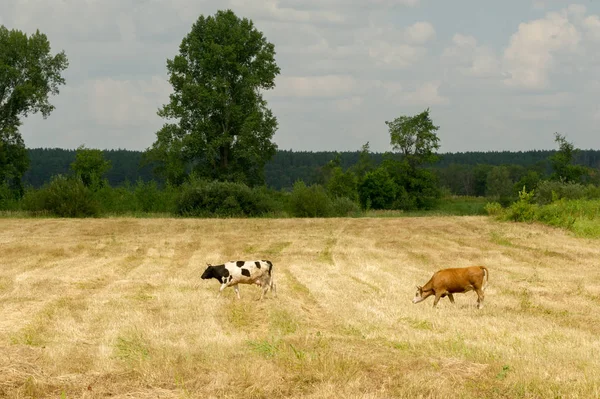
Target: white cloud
column 314, row 86
column 420, row 32
column 471, row 59
column 529, row 57
column 386, row 54
column 426, row 94
column 391, row 47
column 592, row 27
column 125, row 103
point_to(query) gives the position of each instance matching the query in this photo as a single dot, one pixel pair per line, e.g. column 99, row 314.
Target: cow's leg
column 237, row 291
column 223, row 286
column 451, row 297
column 480, row 297
column 264, row 288
column 438, row 295
column 272, row 286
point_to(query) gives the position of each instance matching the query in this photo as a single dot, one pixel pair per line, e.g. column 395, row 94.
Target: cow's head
column 418, row 295
column 209, row 272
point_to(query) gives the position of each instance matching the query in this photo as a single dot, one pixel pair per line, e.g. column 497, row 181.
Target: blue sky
column 495, row 75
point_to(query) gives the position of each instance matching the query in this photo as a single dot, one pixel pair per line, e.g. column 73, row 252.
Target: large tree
column 29, row 74
column 416, row 139
column 222, row 127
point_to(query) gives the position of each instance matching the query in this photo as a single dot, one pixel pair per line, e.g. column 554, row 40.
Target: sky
column 496, row 75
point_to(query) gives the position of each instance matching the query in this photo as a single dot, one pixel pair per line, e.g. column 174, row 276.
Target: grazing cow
column 257, row 272
column 449, row 281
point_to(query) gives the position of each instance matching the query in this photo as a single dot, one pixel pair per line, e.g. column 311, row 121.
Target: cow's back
column 458, row 279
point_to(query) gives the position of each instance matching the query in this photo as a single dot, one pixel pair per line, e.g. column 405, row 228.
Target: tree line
column 214, row 155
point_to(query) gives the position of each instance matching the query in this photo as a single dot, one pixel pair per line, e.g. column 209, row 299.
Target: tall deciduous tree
column 223, row 127
column 415, row 137
column 29, row 74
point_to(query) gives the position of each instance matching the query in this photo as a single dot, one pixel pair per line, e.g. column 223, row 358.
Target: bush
column 118, row 200
column 343, row 206
column 494, row 208
column 310, row 201
column 549, row 191
column 63, row 197
column 377, row 189
column 522, row 210
column 205, row 199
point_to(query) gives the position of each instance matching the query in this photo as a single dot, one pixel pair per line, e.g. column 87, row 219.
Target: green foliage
column 224, row 128
column 530, row 180
column 14, row 159
column 562, row 162
column 224, row 199
column 461, row 206
column 522, row 210
column 415, row 138
column 310, row 201
column 377, row 190
column 29, row 74
column 90, row 166
column 499, row 185
column 63, row 197
column 8, row 198
column 494, row 209
column 364, row 164
column 149, row 198
column 343, row 206
column 342, row 184
column 551, row 190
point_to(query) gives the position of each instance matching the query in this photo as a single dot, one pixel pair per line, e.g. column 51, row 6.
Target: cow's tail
column 486, row 276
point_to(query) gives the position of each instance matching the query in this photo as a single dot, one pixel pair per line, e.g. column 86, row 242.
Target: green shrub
column 227, row 199
column 310, row 201
column 549, row 191
column 522, row 210
column 494, row 208
column 118, row 200
column 63, row 197
column 377, row 189
column 342, row 206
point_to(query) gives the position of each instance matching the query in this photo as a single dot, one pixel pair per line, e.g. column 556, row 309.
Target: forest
column 215, row 156
column 287, row 166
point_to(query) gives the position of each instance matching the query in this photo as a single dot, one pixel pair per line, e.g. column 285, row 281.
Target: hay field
column 116, row 307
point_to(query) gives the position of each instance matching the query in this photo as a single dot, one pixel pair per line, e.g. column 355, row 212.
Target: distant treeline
column 287, row 166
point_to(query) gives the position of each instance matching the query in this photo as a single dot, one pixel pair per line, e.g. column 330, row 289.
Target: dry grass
column 115, row 307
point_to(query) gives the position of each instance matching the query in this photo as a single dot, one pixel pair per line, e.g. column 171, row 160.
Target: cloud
column 420, row 32
column 314, row 86
column 125, row 103
column 592, row 27
column 390, row 47
column 531, row 53
column 470, row 59
column 425, row 94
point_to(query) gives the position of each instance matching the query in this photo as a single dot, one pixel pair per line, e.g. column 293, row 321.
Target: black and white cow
column 229, row 274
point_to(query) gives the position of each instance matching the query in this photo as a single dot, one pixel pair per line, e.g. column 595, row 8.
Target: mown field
column 116, row 307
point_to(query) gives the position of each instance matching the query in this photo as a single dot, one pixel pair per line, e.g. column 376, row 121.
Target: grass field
column 116, row 307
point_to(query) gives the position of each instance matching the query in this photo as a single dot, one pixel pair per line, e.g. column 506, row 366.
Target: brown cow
column 449, row 281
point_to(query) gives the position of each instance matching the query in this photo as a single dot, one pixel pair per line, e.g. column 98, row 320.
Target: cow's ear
column 208, row 264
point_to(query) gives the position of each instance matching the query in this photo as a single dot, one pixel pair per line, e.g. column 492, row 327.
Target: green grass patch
column 582, row 217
